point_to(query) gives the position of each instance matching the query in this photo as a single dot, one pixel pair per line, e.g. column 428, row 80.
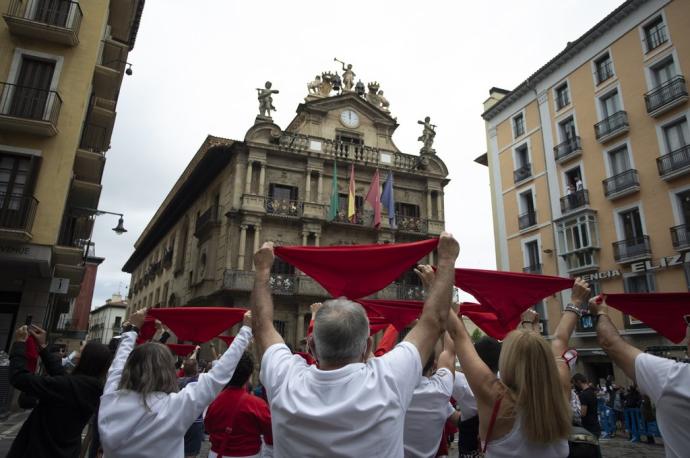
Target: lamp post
column 119, row 229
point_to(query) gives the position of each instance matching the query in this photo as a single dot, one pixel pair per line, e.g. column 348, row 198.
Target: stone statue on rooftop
column 372, row 95
column 266, row 100
column 314, row 87
column 427, row 137
column 385, row 104
column 348, row 76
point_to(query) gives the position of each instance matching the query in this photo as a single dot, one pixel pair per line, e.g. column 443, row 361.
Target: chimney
column 495, row 94
column 117, row 297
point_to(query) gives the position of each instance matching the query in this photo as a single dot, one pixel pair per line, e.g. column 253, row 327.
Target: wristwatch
column 573, row 308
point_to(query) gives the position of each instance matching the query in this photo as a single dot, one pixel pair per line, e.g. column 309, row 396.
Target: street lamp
column 119, row 229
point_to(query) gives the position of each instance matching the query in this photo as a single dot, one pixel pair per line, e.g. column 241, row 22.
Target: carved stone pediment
column 348, row 100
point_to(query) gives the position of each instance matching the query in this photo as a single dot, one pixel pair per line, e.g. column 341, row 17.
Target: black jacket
column 66, row 402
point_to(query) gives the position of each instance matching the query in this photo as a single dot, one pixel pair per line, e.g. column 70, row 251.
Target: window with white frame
column 603, row 68
column 655, row 33
column 519, row 125
column 619, row 160
column 676, row 135
column 567, row 129
column 610, row 104
column 578, row 240
column 532, row 258
column 562, row 96
column 663, row 72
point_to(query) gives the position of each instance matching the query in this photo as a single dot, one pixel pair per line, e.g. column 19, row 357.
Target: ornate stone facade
column 276, row 185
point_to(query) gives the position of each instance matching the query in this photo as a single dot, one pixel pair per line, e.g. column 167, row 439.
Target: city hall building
column 276, row 185
column 589, row 162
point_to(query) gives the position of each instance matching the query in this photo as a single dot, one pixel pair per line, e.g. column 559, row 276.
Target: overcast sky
column 196, row 66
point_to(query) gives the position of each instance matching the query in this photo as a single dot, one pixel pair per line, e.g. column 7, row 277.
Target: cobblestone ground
column 614, row 448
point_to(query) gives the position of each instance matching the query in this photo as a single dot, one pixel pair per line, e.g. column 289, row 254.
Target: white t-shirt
column 667, row 383
column 464, row 397
column 355, row 411
column 427, row 414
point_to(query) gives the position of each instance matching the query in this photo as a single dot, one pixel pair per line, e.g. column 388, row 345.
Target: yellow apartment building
column 589, row 162
column 61, row 66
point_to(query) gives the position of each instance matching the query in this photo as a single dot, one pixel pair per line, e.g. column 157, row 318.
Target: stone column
column 300, row 327
column 428, row 204
column 307, row 187
column 319, row 195
column 257, row 242
column 317, row 239
column 242, row 247
column 248, row 180
column 439, row 197
column 262, row 179
column 305, row 234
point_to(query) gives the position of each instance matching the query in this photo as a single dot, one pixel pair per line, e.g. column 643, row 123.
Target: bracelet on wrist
column 572, row 308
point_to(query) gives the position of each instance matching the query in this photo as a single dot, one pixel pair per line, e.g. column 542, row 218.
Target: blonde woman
column 525, row 412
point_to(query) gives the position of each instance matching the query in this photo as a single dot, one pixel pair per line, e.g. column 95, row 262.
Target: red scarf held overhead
column 359, row 270
column 183, row 350
column 198, row 324
column 508, row 294
column 488, row 321
column 148, row 329
column 376, row 324
column 388, row 341
column 663, row 312
column 227, row 339
column 31, row 353
column 398, row 313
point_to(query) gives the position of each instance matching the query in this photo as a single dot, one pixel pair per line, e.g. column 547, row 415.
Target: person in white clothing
column 666, row 382
column 515, row 419
column 430, row 406
column 141, row 413
column 348, row 406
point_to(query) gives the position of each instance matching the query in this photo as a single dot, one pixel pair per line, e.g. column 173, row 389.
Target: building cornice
column 571, row 50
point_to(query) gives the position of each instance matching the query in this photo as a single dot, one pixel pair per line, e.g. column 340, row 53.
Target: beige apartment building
column 105, row 321
column 276, row 185
column 589, row 161
column 61, row 66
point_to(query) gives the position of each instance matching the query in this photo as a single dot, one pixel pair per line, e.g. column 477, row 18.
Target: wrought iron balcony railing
column 603, row 72
column 29, row 103
column 17, row 212
column 76, row 230
column 411, row 223
column 522, row 173
column 680, row 236
column 674, row 162
column 574, row 200
column 615, row 123
column 113, row 56
column 631, row 249
column 527, row 219
column 56, row 14
column 568, row 147
column 94, row 138
column 621, row 182
column 283, row 207
column 672, row 90
column 533, row 269
column 206, row 220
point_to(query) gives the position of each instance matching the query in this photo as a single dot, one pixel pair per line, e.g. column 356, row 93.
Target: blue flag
column 388, row 200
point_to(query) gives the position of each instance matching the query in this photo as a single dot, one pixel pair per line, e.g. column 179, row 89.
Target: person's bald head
column 341, row 333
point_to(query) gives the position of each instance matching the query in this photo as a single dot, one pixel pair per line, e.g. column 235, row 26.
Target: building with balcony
column 105, row 321
column 61, row 69
column 589, row 162
column 276, row 185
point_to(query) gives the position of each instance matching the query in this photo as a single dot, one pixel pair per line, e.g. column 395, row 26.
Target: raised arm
column 437, row 304
column 447, row 357
column 479, row 376
column 265, row 334
column 129, row 339
column 559, row 344
column 51, row 361
column 622, row 353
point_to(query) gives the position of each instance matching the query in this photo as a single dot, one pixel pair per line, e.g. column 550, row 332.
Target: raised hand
column 448, row 248
column 426, row 274
column 247, row 319
column 39, row 334
column 137, row 318
column 580, row 292
column 21, row 334
column 263, row 259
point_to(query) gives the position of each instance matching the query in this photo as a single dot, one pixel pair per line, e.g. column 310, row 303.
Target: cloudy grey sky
column 196, row 65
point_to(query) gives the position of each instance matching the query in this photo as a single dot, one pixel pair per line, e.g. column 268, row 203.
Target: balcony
column 634, row 249
column 522, row 173
column 167, row 258
column 527, row 220
column 569, row 149
column 84, row 192
column 206, row 221
column 110, row 69
column 243, row 280
column 29, row 110
column 411, row 224
column 612, row 127
column 533, row 269
column 412, row 292
column 669, row 95
column 603, row 72
column 574, row 200
column 54, row 21
column 283, row 207
column 674, row 164
column 680, row 236
column 622, row 184
column 17, row 213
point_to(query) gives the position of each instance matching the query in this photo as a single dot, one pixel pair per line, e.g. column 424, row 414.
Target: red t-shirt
column 236, row 420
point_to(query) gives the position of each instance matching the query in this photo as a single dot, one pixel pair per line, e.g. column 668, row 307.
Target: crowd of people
column 345, row 398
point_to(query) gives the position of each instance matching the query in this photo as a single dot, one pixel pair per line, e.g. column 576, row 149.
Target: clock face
column 349, row 118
